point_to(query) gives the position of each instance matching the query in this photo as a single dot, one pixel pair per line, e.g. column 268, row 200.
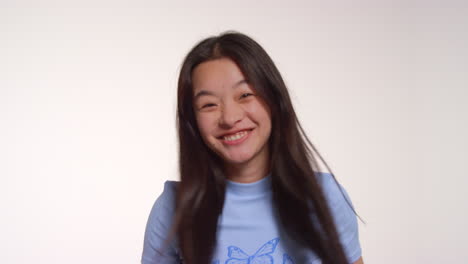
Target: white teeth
column 236, row 136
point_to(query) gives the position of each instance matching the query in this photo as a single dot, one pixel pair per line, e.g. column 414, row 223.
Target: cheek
column 261, row 114
column 267, row 126
column 205, row 126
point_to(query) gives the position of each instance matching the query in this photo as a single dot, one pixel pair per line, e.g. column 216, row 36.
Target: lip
column 238, row 141
column 234, row 132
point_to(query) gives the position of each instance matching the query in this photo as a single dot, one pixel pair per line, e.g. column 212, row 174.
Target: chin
column 238, row 159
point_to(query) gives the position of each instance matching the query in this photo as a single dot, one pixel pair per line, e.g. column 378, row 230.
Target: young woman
column 250, row 190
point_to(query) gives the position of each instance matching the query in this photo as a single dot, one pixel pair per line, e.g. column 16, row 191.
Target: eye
column 244, row 95
column 208, row 105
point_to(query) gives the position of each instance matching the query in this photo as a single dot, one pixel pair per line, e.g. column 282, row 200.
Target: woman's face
column 233, row 121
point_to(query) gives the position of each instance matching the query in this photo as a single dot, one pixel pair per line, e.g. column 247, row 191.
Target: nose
column 231, row 114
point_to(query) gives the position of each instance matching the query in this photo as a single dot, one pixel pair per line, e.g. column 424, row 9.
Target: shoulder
column 332, row 189
column 169, row 191
column 165, row 203
column 164, row 207
column 341, row 208
column 158, row 227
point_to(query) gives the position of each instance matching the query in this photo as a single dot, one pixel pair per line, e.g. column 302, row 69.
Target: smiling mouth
column 236, row 137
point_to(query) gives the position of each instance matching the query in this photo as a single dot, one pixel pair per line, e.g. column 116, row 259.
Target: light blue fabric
column 248, row 232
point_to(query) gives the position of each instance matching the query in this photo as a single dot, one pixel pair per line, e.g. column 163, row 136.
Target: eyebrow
column 205, row 92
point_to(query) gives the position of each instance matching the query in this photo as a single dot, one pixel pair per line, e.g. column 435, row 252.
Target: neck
column 248, row 172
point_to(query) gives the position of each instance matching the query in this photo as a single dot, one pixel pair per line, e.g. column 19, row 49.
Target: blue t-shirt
column 248, row 232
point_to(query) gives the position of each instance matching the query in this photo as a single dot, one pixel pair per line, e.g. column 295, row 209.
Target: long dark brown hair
column 297, row 195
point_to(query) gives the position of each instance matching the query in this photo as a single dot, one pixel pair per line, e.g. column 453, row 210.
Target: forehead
column 216, row 74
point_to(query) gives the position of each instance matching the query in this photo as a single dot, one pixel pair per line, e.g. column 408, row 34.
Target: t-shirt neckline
column 254, row 188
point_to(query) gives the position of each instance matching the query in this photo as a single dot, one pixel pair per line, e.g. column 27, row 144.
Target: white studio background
column 87, row 117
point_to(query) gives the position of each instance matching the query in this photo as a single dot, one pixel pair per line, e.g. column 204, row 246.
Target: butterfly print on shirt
column 287, row 259
column 262, row 256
